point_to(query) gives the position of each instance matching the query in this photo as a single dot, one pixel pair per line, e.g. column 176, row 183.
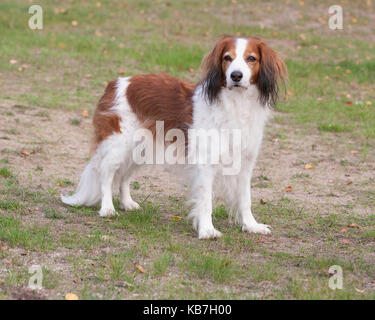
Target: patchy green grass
column 5, row 172
column 31, row 237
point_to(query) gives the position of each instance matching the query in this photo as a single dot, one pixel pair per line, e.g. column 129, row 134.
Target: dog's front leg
column 202, row 200
column 245, row 215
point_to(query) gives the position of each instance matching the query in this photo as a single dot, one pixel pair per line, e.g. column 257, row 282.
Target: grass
column 32, row 237
column 329, row 103
column 5, row 172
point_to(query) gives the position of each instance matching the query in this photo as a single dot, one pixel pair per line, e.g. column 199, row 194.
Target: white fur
column 237, row 108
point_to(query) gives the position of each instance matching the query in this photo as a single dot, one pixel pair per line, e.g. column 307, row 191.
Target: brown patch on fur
column 161, row 98
column 252, row 49
column 105, row 122
column 214, row 67
column 267, row 70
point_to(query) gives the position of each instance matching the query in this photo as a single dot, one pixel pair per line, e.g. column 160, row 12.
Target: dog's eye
column 228, row 58
column 251, row 59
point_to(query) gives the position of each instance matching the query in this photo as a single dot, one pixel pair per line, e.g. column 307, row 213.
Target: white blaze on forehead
column 241, row 45
column 239, row 64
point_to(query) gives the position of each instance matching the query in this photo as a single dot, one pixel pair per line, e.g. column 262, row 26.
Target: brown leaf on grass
column 140, row 268
column 74, row 23
column 13, row 61
column 262, row 201
column 359, row 290
column 77, row 280
column 85, row 113
column 71, row 296
column 349, row 183
column 25, row 152
column 353, row 151
column 343, row 230
column 349, row 103
column 288, row 188
column 309, row 166
column 353, row 225
column 121, row 72
column 176, row 218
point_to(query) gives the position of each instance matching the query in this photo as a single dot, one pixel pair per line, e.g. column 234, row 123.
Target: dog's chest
column 235, row 112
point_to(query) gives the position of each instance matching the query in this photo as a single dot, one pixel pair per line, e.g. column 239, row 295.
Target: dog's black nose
column 236, row 76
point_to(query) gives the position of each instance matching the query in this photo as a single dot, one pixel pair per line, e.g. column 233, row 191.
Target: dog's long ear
column 272, row 72
column 213, row 77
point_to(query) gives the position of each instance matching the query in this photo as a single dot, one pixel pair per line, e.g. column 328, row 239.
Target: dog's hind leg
column 126, row 201
column 113, row 154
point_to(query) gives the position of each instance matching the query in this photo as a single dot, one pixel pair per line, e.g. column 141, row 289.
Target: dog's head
column 238, row 63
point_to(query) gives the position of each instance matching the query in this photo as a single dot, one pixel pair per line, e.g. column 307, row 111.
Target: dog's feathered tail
column 88, row 190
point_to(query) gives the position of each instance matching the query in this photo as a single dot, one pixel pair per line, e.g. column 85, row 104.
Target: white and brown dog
column 238, row 89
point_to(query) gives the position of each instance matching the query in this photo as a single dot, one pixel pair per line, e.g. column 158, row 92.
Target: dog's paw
column 257, row 228
column 107, row 212
column 208, row 233
column 129, row 205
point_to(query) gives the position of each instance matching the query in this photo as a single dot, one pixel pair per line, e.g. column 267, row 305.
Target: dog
column 238, row 90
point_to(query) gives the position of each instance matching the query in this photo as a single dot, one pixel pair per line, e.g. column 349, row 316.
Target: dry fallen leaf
column 353, row 151
column 308, row 166
column 353, row 225
column 121, row 72
column 262, row 201
column 140, row 268
column 85, row 113
column 25, row 152
column 176, row 218
column 349, row 182
column 74, row 23
column 71, row 296
column 359, row 290
column 343, row 230
column 288, row 188
column 13, row 61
